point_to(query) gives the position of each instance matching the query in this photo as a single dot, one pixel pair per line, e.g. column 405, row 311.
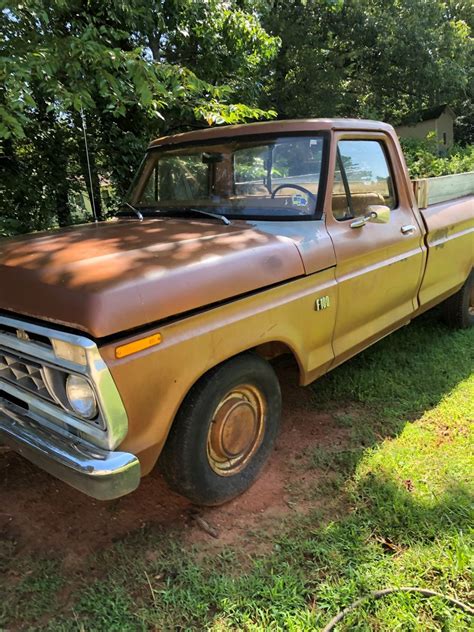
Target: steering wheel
column 293, row 186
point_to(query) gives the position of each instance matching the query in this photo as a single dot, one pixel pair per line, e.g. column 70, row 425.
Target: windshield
column 260, row 177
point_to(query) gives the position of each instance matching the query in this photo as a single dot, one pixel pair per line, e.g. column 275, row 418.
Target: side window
column 362, row 178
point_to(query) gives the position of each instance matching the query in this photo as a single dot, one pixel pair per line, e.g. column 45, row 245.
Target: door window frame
column 346, row 182
column 399, row 174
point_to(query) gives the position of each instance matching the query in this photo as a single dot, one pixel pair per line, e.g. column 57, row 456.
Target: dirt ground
column 44, row 516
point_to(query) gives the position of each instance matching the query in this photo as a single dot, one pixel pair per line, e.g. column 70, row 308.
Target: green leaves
column 370, row 59
column 137, row 69
column 144, row 68
column 101, row 60
column 424, row 161
column 217, row 113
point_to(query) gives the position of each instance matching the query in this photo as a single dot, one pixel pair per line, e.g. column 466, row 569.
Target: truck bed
column 450, row 243
column 443, row 188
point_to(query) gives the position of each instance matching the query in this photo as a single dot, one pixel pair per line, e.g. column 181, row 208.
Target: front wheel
column 224, row 431
column 458, row 310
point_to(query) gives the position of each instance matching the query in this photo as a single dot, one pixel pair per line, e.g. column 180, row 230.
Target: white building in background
column 439, row 120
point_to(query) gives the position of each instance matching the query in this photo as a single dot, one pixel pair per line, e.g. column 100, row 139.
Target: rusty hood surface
column 112, row 277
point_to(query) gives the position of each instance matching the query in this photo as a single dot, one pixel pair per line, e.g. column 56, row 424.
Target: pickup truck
column 150, row 338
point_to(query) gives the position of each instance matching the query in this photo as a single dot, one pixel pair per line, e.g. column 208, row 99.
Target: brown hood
column 112, row 277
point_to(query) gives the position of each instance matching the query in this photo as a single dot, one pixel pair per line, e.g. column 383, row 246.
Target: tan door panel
column 379, row 266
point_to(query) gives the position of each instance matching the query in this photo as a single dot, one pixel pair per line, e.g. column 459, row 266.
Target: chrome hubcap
column 236, row 431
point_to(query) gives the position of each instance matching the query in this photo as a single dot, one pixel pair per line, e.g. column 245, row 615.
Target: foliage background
column 138, row 69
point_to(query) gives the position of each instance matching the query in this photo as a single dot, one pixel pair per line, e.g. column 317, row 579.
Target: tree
column 142, row 68
column 129, row 67
column 369, row 58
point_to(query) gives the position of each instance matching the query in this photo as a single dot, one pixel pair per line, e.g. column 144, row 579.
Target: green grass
column 392, row 506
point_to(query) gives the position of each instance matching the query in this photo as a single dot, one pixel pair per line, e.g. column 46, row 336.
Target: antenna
column 83, row 118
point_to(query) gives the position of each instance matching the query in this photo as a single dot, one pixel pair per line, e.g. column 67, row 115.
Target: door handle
column 408, row 229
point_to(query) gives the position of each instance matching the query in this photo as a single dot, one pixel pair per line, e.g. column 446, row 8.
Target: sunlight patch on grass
column 431, row 458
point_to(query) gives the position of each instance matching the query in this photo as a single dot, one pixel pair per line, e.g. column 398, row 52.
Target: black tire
column 458, row 310
column 186, row 460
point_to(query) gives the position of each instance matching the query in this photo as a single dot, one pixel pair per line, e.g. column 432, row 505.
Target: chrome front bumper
column 99, row 473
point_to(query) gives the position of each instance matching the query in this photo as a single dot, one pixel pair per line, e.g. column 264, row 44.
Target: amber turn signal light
column 137, row 345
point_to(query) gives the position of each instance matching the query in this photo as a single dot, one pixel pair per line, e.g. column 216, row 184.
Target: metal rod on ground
column 387, row 591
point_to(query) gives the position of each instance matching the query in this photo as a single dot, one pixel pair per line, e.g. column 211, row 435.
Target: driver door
column 378, row 265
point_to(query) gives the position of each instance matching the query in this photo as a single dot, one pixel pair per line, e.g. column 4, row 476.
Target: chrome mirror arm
column 378, row 213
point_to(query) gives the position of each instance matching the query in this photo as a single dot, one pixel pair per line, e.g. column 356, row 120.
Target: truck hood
column 114, row 276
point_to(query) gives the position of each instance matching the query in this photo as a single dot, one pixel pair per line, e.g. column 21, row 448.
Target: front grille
column 18, row 332
column 23, row 373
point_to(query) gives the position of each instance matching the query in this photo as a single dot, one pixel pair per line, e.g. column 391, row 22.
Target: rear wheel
column 458, row 310
column 224, row 431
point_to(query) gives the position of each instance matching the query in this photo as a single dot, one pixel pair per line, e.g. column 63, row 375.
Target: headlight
column 81, row 396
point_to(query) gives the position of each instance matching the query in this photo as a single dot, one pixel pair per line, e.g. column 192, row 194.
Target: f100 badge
column 321, row 303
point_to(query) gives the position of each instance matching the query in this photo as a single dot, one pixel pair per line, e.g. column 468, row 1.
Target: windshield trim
column 323, row 175
column 150, row 212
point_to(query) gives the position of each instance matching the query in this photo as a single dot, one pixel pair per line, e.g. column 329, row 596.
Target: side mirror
column 377, row 213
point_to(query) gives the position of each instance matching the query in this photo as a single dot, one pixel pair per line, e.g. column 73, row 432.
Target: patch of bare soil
column 41, row 515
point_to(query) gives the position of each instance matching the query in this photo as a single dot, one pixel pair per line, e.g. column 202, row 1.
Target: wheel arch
column 269, row 350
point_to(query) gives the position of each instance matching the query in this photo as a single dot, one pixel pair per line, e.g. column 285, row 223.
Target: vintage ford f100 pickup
column 151, row 337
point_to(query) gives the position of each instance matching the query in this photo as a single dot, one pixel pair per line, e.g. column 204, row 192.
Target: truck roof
column 272, row 127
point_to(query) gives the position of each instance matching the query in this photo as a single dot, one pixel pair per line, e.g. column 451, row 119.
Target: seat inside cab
column 360, row 202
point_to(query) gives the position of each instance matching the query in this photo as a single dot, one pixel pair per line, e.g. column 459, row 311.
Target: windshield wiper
column 178, row 211
column 224, row 219
column 135, row 210
column 191, row 209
